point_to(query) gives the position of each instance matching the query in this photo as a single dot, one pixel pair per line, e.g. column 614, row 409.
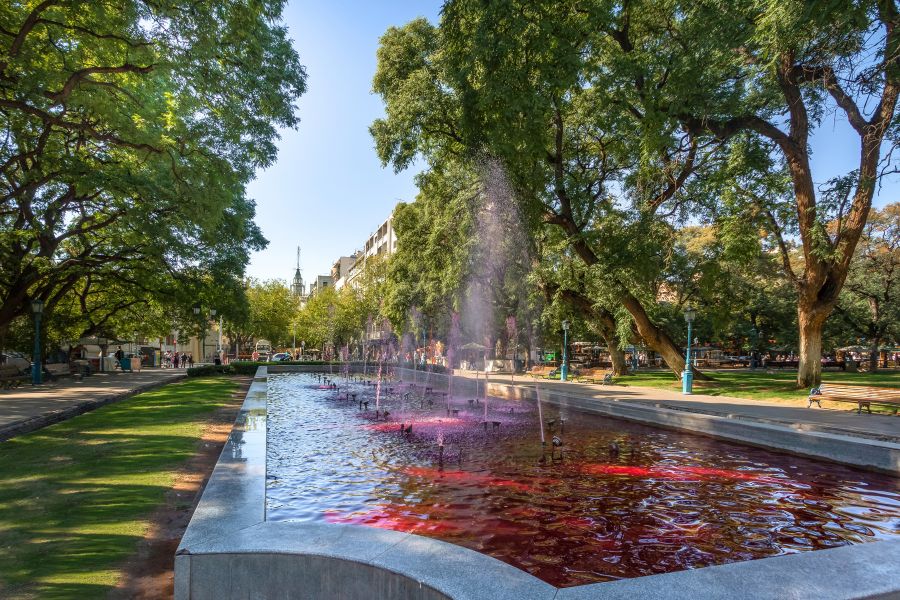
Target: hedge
column 249, row 368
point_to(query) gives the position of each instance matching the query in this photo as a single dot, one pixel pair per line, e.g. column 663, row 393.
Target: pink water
column 665, row 502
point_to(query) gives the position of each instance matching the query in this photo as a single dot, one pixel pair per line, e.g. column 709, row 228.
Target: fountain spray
column 378, row 393
column 537, row 387
column 485, row 392
column 512, row 333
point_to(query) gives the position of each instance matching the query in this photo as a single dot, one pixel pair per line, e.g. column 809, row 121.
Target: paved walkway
column 27, row 408
column 840, row 419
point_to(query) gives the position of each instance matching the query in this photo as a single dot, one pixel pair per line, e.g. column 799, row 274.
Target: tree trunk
column 654, row 337
column 811, row 320
column 606, row 324
column 873, row 354
column 657, row 339
column 617, row 357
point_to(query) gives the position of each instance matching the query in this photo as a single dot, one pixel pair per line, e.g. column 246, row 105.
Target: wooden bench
column 863, row 395
column 542, row 372
column 56, row 370
column 602, row 376
column 11, row 376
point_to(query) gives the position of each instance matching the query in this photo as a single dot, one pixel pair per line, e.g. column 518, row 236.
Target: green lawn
column 75, row 497
column 758, row 385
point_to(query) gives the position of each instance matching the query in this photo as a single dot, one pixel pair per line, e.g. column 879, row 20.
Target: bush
column 438, row 369
column 241, row 367
column 205, row 370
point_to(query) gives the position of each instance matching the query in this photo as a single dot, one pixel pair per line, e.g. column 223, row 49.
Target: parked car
column 281, row 357
column 16, row 359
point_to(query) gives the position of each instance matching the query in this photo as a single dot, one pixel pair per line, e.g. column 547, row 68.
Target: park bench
column 544, row 372
column 56, row 370
column 81, row 366
column 11, row 377
column 602, row 376
column 863, row 395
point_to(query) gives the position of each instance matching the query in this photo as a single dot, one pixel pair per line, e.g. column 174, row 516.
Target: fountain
column 470, row 485
column 548, row 492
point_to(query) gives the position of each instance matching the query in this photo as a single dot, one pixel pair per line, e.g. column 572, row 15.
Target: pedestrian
column 191, row 360
column 120, row 354
column 175, row 361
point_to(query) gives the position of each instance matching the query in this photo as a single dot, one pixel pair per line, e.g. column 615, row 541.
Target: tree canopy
column 130, row 132
column 636, row 130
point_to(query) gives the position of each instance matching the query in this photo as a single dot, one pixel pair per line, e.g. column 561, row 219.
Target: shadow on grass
column 74, row 496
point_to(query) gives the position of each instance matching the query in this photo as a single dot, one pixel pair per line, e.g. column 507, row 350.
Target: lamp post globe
column 37, row 307
column 687, row 376
column 564, row 370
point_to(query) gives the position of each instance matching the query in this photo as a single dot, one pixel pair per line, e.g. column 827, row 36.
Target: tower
column 297, row 287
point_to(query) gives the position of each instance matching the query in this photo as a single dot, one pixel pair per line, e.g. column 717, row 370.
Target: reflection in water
column 660, row 502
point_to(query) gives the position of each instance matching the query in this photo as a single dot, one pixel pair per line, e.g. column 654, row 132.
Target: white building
column 321, row 282
column 341, row 269
column 382, row 242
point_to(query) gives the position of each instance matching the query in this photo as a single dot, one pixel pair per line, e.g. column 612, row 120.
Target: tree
column 870, row 302
column 271, row 310
column 779, row 69
column 461, row 249
column 544, row 109
column 680, row 83
column 131, row 130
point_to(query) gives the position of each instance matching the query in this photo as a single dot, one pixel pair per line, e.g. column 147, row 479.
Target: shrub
column 242, row 367
column 206, row 370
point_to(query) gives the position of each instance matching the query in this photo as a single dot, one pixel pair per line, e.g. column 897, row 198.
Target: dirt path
column 148, row 574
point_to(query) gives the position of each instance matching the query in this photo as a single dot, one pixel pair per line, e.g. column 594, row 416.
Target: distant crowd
column 175, row 360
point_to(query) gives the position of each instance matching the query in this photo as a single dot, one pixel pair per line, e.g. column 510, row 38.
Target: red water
column 583, row 513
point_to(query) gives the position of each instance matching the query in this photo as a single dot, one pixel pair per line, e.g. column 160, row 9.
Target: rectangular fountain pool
column 602, row 499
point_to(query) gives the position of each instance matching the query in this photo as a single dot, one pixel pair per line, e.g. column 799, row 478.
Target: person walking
column 175, row 361
column 191, row 360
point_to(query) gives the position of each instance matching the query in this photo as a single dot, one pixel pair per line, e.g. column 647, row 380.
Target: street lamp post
column 687, row 377
column 202, row 333
column 212, row 317
column 103, row 343
column 754, row 361
column 564, row 371
column 37, row 307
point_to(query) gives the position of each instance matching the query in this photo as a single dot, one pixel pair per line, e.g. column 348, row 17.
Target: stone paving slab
column 797, row 416
column 28, row 408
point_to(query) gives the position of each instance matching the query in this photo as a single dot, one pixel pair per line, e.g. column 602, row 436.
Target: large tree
column 544, row 109
column 130, row 131
column 870, row 302
column 271, row 310
column 665, row 88
column 775, row 71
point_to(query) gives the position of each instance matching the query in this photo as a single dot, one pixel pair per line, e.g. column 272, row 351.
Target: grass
column 758, row 385
column 75, row 497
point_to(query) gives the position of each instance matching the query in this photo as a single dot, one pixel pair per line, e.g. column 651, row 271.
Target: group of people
column 175, row 360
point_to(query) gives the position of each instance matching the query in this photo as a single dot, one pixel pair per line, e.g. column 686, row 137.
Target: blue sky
column 328, row 191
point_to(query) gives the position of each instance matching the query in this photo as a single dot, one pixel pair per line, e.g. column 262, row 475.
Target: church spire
column 297, row 286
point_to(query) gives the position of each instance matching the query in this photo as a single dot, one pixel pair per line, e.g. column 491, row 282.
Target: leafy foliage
column 130, row 132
